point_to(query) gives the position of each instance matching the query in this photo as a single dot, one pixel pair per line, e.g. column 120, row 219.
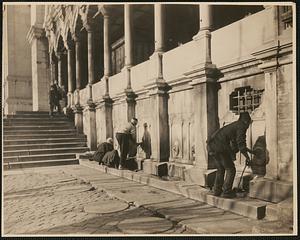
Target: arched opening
column 143, row 32
column 71, row 45
column 64, row 61
column 182, row 23
column 117, row 38
column 98, row 48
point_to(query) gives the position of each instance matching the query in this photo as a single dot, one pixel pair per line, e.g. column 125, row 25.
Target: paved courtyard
column 49, row 201
column 71, row 200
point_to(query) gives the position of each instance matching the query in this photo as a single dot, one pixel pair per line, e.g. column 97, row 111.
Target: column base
column 91, row 126
column 200, row 176
column 78, row 118
column 270, row 190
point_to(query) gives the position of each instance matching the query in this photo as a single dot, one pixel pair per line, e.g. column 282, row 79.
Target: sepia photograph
column 149, row 119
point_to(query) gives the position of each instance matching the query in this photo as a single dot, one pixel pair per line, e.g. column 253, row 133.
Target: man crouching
column 220, row 147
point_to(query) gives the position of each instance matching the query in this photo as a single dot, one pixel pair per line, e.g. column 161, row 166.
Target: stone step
column 39, row 123
column 32, row 112
column 31, row 164
column 38, row 136
column 43, row 140
column 35, row 116
column 28, row 121
column 31, row 152
column 39, row 157
column 272, row 227
column 44, row 146
column 39, row 132
column 38, row 127
column 248, row 207
column 270, row 190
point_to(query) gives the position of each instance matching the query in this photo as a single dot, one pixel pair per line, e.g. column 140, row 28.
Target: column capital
column 130, row 95
column 35, row 33
column 69, row 45
column 58, row 55
column 104, row 10
column 88, row 25
column 208, row 73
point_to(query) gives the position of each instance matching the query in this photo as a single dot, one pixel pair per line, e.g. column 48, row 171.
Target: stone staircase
column 33, row 139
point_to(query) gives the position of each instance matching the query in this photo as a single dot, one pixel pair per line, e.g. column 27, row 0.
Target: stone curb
column 247, row 207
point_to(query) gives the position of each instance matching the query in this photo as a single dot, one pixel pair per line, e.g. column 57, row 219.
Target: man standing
column 52, row 100
column 57, row 96
column 124, row 137
column 221, row 147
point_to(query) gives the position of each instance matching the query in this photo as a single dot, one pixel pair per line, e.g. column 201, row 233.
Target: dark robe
column 111, row 159
column 102, row 149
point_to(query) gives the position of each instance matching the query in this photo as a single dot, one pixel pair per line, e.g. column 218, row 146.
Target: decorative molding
column 208, row 73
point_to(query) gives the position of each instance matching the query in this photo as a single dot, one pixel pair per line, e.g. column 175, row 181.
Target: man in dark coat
column 52, row 99
column 56, row 96
column 222, row 146
column 111, row 159
column 102, row 149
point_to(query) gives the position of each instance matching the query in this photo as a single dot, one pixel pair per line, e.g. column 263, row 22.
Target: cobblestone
column 50, row 202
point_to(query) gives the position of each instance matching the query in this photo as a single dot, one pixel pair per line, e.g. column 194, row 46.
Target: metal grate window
column 286, row 17
column 244, row 99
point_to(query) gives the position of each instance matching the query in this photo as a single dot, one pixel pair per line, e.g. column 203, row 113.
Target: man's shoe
column 217, row 194
column 229, row 195
column 121, row 168
column 214, row 193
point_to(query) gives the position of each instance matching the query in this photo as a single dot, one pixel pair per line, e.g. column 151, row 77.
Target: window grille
column 286, row 16
column 244, row 99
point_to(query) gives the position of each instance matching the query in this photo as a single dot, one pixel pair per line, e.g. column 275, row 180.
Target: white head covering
column 110, row 140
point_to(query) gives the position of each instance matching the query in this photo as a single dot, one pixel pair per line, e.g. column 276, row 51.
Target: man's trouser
column 51, row 109
column 224, row 163
column 123, row 140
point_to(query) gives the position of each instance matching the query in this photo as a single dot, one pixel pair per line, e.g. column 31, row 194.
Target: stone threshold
column 248, row 207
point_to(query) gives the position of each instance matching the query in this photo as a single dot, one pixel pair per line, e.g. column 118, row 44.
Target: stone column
column 78, row 68
column 90, row 36
column 40, row 64
column 70, row 74
column 128, row 35
column 130, row 95
column 52, row 69
column 159, row 31
column 158, row 90
column 271, row 121
column 90, row 111
column 105, row 106
column 77, row 108
column 203, row 37
column 59, row 68
column 204, row 76
column 276, row 58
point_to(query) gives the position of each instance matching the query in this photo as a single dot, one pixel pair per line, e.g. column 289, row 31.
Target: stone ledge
column 243, row 206
column 270, row 190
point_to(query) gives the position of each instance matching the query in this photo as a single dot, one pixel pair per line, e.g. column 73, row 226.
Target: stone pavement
column 48, row 201
column 192, row 215
column 66, row 201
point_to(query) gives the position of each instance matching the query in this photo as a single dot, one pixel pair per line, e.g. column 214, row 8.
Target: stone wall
column 17, row 59
column 226, row 116
column 285, row 122
column 181, row 119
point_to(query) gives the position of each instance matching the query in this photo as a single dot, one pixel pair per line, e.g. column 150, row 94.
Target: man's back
column 233, row 132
